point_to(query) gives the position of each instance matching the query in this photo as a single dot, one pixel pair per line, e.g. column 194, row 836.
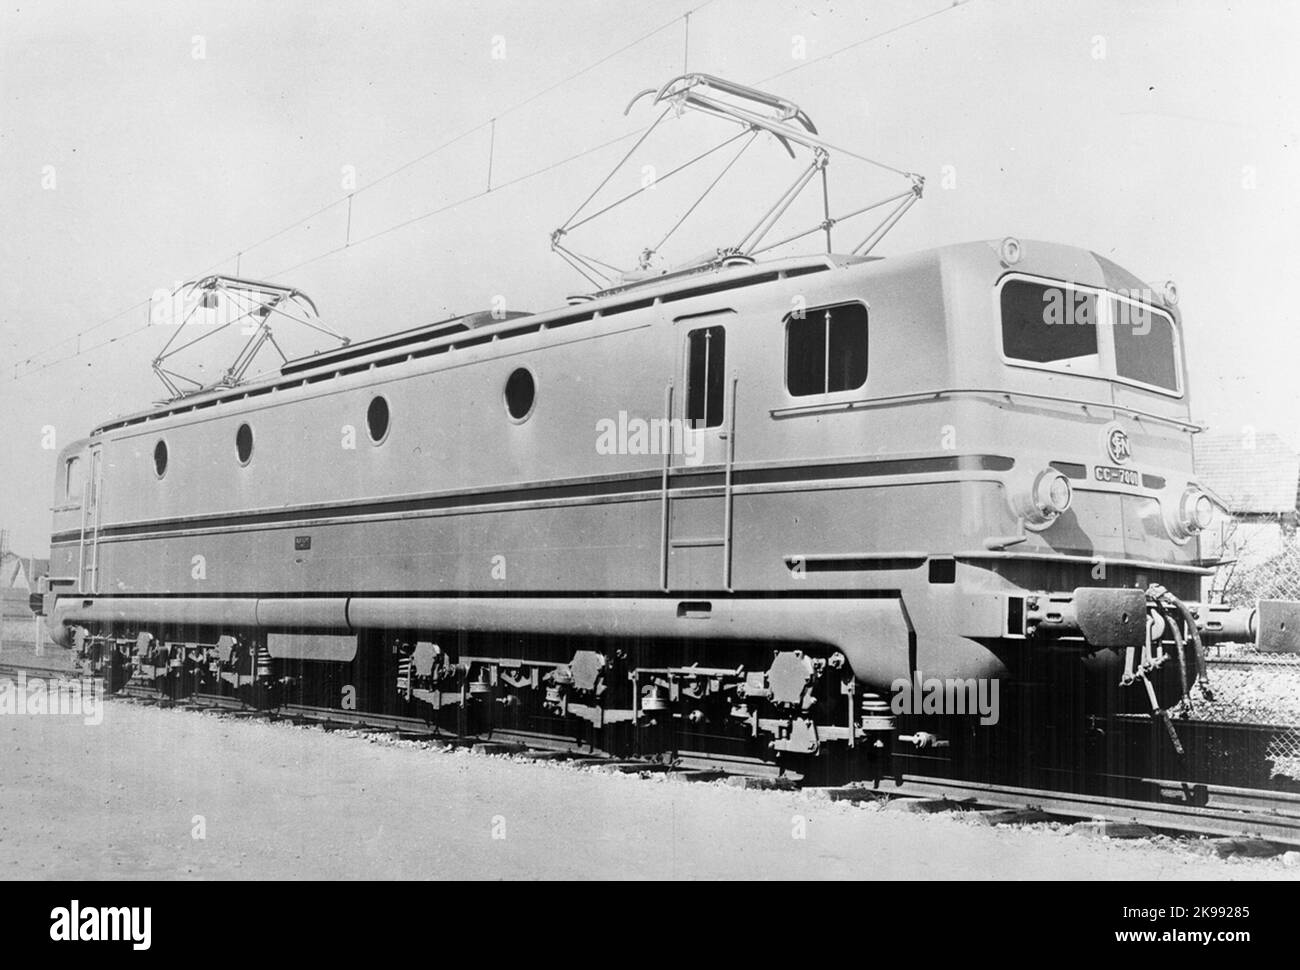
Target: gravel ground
column 121, row 800
column 1263, row 689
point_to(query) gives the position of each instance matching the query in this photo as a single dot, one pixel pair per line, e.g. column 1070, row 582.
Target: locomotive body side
column 892, row 521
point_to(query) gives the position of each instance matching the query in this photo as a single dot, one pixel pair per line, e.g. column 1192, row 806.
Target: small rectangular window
column 72, row 478
column 706, row 358
column 1049, row 324
column 826, row 350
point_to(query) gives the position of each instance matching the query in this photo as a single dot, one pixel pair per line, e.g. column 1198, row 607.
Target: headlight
column 1046, row 498
column 1058, row 493
column 1194, row 513
column 1197, row 510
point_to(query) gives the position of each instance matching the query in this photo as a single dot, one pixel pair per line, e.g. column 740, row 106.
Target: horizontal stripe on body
column 680, row 479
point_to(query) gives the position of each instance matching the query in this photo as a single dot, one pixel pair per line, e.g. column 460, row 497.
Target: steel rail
column 1178, row 806
column 33, row 671
column 1273, row 816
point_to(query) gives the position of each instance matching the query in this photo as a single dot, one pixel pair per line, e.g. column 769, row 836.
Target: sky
column 149, row 142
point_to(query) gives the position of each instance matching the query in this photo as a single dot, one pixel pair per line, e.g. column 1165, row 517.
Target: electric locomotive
column 760, row 499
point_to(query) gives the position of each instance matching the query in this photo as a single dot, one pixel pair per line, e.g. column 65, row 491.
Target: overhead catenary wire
column 358, row 242
column 455, row 204
column 20, row 372
column 865, row 40
column 751, row 122
column 76, row 337
column 488, row 124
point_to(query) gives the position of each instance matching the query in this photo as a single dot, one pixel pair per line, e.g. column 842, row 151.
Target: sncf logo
column 1117, row 446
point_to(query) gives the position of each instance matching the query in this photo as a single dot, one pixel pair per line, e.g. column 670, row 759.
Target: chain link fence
column 1253, row 686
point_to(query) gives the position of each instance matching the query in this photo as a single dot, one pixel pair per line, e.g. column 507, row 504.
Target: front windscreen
column 1048, row 323
column 1072, row 328
column 1144, row 346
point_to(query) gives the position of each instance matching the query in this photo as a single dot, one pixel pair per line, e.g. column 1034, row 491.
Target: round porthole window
column 244, row 443
column 377, row 419
column 160, row 459
column 521, row 394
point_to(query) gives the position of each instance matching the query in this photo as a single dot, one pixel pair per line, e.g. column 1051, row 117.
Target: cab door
column 90, row 519
column 696, row 553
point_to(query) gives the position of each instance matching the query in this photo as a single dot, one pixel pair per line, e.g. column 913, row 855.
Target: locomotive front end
column 1095, row 550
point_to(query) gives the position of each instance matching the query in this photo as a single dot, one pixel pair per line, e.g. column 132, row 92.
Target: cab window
column 72, row 479
column 826, row 350
column 706, row 360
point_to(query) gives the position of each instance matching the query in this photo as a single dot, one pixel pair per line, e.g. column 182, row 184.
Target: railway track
column 11, row 670
column 1267, row 820
column 1174, row 806
column 1178, row 807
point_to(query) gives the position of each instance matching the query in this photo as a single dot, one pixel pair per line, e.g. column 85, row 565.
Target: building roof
column 21, row 572
column 1255, row 473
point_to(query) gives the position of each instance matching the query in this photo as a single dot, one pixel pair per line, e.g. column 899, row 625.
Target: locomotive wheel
column 117, row 671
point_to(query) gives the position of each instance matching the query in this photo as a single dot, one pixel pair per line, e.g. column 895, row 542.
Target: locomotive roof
column 483, row 327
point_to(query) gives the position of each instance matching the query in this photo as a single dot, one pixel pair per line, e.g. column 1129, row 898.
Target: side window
column 72, row 478
column 706, row 360
column 826, row 350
